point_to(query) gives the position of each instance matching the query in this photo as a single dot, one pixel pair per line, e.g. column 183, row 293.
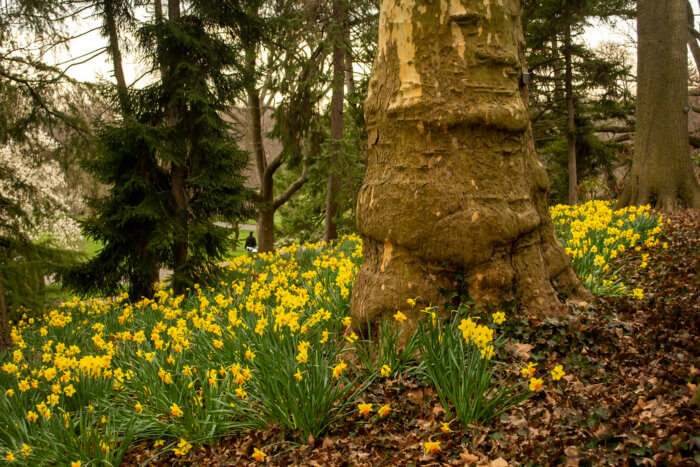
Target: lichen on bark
column 453, row 182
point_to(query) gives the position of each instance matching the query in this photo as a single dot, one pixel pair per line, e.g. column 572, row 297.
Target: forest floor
column 631, row 365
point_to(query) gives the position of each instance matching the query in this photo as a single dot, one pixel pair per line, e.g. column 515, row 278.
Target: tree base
column 670, row 196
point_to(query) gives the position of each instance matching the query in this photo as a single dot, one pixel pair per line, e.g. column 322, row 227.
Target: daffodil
column 176, row 410
column 431, row 446
column 400, row 317
column 557, row 372
column 258, row 455
column 364, row 409
column 339, row 368
column 498, row 317
column 529, row 370
column 384, row 411
column 385, row 371
column 536, row 384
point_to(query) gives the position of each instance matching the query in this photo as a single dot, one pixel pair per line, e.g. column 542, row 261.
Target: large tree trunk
column 662, row 171
column 5, row 336
column 453, row 186
column 570, row 116
column 330, row 231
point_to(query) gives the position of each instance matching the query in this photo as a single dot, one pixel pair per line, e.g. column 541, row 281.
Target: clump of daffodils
column 478, row 334
column 594, row 234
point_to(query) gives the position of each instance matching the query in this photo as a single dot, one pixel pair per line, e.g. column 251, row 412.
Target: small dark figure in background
column 251, row 244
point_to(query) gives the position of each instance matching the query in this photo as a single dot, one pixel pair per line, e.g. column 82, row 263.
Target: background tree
column 662, row 172
column 34, row 112
column 453, row 185
column 577, row 92
column 288, row 64
column 304, row 216
column 338, row 35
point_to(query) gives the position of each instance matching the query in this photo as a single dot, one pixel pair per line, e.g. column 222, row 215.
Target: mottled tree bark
column 330, row 231
column 662, row 172
column 453, row 183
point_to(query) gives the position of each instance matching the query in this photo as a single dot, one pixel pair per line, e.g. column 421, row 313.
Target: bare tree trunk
column 349, row 75
column 330, row 231
column 570, row 116
column 266, row 169
column 266, row 219
column 662, row 172
column 558, row 96
column 236, row 236
column 453, row 186
column 158, row 6
column 115, row 52
column 5, row 335
column 173, row 9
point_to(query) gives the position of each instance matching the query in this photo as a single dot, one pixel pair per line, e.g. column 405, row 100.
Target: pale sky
column 101, row 67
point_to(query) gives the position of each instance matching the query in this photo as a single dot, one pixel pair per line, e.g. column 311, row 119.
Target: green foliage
column 386, row 350
column 132, row 220
column 311, row 402
column 24, row 265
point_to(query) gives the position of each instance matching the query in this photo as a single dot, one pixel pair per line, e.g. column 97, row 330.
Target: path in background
column 252, row 227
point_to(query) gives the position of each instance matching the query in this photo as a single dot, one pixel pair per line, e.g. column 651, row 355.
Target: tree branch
column 291, row 189
column 614, row 129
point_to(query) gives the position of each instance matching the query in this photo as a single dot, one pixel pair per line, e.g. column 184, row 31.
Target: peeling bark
column 662, row 172
column 453, row 182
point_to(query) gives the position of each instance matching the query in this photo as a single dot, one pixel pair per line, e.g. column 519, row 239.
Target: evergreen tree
column 193, row 93
column 132, row 221
column 576, row 92
column 173, row 165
